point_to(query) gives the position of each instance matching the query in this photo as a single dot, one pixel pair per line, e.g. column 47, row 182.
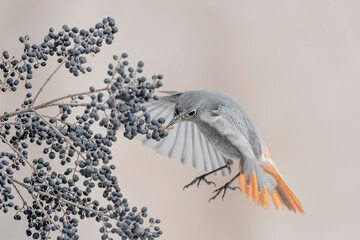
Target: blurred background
column 294, row 65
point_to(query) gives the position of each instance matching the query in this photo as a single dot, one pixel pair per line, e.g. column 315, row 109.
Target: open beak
column 175, row 120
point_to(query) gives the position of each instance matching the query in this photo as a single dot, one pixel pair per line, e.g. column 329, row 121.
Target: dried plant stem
column 48, row 104
column 61, row 199
column 45, row 213
column 17, row 151
column 58, row 132
column 22, row 198
column 46, row 82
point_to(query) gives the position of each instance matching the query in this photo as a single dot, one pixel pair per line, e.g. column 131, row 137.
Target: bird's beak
column 175, row 120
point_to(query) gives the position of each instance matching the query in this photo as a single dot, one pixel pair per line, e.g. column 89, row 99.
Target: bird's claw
column 222, row 188
column 198, row 180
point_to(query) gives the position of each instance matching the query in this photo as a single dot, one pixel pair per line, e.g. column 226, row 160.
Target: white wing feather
column 185, row 142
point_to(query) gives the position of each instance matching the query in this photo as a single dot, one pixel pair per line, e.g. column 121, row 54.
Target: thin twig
column 17, row 151
column 61, row 199
column 48, row 104
column 69, row 104
column 10, row 123
column 46, row 82
column 58, row 120
column 43, row 210
column 58, row 132
column 17, row 190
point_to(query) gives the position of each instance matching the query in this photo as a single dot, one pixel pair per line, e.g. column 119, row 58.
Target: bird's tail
column 281, row 194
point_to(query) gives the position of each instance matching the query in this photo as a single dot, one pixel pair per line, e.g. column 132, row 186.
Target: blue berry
column 84, row 154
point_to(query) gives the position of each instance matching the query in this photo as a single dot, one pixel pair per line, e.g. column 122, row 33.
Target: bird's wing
column 185, row 142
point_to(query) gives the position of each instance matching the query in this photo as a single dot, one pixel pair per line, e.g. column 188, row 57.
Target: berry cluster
column 62, row 196
column 70, row 45
column 128, row 91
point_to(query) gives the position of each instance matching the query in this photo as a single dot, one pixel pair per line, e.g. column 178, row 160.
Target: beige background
column 294, row 65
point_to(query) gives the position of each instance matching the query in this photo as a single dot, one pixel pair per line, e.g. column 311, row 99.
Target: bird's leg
column 225, row 187
column 203, row 177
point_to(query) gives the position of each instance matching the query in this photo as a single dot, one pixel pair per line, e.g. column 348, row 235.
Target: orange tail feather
column 252, row 192
column 283, row 191
column 282, row 195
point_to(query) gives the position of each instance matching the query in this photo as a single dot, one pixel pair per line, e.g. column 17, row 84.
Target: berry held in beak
column 175, row 120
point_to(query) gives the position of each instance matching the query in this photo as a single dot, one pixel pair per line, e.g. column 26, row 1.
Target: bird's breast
column 224, row 137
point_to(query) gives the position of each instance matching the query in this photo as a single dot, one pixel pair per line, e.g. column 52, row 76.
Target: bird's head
column 188, row 107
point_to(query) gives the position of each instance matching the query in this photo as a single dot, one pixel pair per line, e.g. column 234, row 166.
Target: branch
column 10, row 123
column 58, row 132
column 43, row 210
column 61, row 199
column 48, row 104
column 69, row 104
column 18, row 152
column 17, row 190
column 46, row 82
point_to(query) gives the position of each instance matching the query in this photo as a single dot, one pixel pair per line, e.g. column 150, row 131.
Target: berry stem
column 46, row 82
column 58, row 132
column 17, row 151
column 61, row 199
column 22, row 198
column 45, row 213
column 48, row 104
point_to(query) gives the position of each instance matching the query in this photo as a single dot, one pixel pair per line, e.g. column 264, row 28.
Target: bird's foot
column 198, row 181
column 223, row 188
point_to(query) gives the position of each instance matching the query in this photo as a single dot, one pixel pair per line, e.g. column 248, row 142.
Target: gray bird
column 211, row 132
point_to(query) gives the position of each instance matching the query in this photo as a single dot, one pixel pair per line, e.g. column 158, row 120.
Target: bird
column 210, row 130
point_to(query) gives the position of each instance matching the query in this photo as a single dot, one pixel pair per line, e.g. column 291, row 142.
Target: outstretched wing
column 185, row 142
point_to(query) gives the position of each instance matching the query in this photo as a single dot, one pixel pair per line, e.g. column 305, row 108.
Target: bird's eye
column 192, row 113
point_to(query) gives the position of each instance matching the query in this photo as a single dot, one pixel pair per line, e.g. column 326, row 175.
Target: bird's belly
column 220, row 143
